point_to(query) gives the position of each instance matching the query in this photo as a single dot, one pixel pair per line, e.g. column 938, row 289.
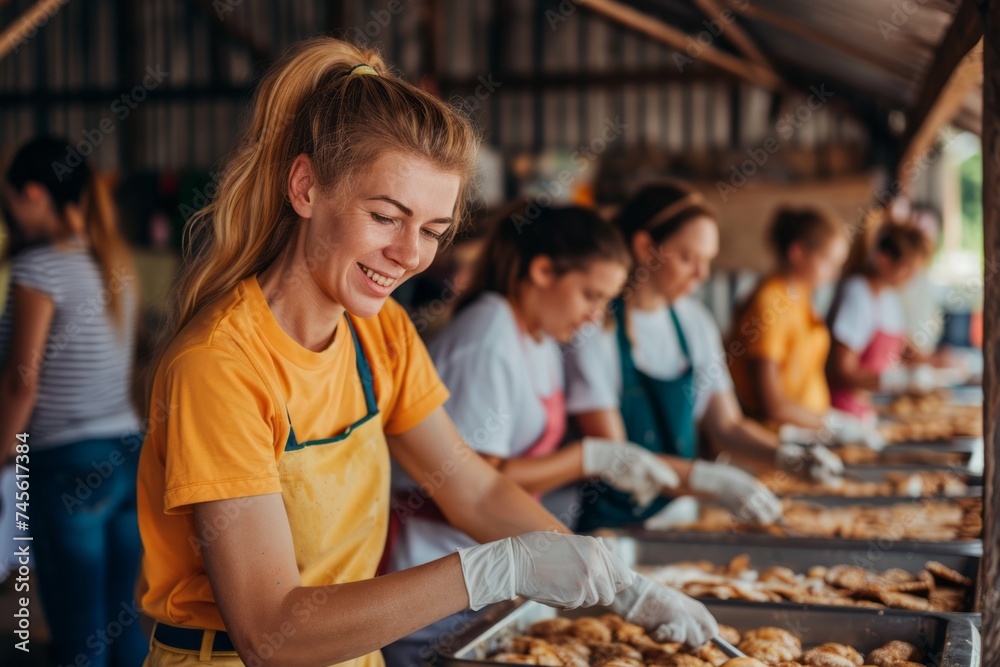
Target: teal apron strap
column 367, row 385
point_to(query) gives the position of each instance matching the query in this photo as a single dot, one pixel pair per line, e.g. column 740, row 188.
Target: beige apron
column 336, row 495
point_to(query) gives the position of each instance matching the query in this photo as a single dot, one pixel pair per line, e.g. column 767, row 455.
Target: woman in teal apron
column 659, row 373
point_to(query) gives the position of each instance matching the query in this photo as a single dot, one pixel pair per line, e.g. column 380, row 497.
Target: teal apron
column 659, row 415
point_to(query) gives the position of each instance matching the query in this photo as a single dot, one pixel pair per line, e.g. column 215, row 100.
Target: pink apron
column 882, row 352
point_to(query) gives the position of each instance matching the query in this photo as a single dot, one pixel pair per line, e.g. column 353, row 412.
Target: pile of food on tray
column 929, row 418
column 610, row 641
column 935, row 588
column 910, row 484
column 927, row 521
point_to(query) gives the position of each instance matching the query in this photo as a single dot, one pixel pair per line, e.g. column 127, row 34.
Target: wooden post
column 990, row 570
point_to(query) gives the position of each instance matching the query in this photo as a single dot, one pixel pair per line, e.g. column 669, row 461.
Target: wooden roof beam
column 21, row 30
column 686, row 44
column 957, row 67
column 733, row 32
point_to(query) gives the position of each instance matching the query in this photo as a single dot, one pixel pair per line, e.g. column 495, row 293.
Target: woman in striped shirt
column 66, row 345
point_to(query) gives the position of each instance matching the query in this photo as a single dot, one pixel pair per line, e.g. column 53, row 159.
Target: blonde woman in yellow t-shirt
column 291, row 378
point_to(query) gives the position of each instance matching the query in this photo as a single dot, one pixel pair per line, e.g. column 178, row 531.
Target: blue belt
column 190, row 638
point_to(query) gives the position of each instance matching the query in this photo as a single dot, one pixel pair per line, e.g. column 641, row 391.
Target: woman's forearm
column 505, row 511
column 545, row 473
column 325, row 625
column 17, row 401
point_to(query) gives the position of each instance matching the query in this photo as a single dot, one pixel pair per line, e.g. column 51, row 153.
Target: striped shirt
column 86, row 367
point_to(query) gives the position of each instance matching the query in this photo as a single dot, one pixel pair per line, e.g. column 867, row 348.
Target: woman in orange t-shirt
column 778, row 342
column 290, row 379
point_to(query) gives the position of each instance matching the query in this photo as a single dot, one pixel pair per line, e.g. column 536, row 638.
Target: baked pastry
column 712, row 654
column 730, row 634
column 945, row 573
column 833, row 655
column 780, row 635
column 685, row 660
column 550, row 626
column 768, row 651
column 744, row 662
column 895, row 652
column 590, row 630
column 605, row 652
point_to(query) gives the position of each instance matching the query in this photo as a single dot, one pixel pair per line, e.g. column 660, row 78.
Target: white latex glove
column 680, row 511
column 848, row 429
column 666, row 614
column 565, row 571
column 629, row 468
column 814, row 462
column 737, row 490
column 895, row 380
column 924, row 378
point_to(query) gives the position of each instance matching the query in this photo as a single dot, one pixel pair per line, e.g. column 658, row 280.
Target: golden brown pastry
column 895, row 652
column 833, row 655
column 730, row 634
column 711, row 653
column 685, row 660
column 605, row 652
column 516, row 659
column 945, row 573
column 543, row 652
column 780, row 635
column 589, row 630
column 550, row 626
column 768, row 651
column 744, row 662
column 622, row 662
column 659, row 654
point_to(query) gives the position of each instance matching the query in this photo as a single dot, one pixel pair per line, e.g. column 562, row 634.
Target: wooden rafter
column 733, row 32
column 808, row 33
column 957, row 68
column 18, row 31
column 681, row 41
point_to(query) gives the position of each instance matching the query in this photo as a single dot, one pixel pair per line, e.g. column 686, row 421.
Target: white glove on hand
column 814, row 462
column 895, row 380
column 738, row 491
column 667, row 614
column 629, row 468
column 566, row 571
column 847, row 429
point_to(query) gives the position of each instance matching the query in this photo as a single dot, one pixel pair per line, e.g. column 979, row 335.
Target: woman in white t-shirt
column 868, row 323
column 545, row 273
column 660, row 373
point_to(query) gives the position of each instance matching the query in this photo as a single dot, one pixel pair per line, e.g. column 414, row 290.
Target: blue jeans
column 87, row 548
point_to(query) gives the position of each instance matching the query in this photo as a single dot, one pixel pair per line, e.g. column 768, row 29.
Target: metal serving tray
column 933, row 550
column 948, row 641
column 646, row 549
column 876, row 473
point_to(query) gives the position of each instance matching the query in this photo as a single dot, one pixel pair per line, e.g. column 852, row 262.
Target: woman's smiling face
column 362, row 246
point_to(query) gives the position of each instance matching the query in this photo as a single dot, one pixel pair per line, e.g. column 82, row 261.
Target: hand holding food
column 737, row 490
column 665, row 613
column 629, row 468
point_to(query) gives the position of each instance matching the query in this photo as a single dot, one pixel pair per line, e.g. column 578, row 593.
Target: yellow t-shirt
column 218, row 424
column 780, row 325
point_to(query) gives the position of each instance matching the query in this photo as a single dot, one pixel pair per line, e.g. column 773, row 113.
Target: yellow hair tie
column 362, row 68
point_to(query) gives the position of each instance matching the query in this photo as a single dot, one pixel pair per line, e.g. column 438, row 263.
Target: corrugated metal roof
column 880, row 49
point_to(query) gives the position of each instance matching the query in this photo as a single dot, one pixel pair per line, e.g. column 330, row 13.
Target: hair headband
column 692, row 198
